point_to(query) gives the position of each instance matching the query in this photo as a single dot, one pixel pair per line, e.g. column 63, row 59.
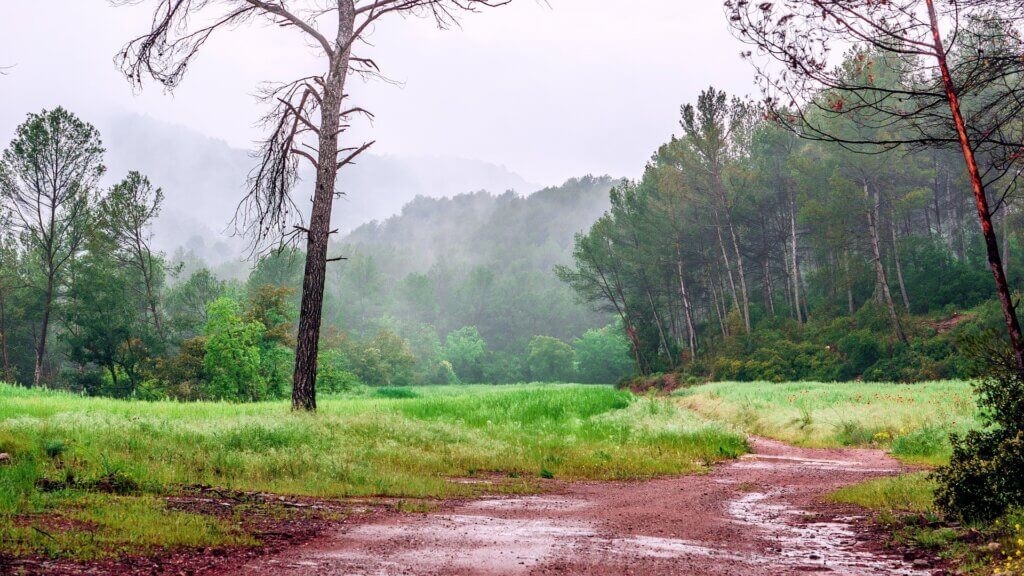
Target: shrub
column 603, row 356
column 333, row 375
column 549, row 359
column 232, row 353
column 985, row 475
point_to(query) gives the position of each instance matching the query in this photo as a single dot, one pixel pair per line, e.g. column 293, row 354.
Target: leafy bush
column 232, row 353
column 334, row 375
column 603, row 356
column 985, row 475
column 465, row 350
column 549, row 359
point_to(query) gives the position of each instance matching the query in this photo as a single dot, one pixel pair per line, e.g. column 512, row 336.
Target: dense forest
column 451, row 290
column 747, row 253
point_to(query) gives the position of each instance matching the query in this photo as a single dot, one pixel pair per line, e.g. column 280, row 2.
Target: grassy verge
column 906, row 493
column 94, row 467
column 903, row 506
column 912, row 420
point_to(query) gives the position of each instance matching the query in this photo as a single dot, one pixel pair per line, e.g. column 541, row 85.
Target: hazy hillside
column 204, row 178
column 484, row 228
column 480, row 259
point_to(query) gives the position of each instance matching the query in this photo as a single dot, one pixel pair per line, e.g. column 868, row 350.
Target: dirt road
column 756, row 516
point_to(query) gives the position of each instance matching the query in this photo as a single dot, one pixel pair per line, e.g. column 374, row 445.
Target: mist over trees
column 450, row 290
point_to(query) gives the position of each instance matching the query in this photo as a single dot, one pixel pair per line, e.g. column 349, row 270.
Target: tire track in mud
column 754, row 516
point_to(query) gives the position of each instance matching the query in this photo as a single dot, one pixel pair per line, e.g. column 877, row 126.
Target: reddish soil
column 760, row 515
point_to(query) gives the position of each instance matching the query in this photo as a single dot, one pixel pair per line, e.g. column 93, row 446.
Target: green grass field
column 88, row 476
column 912, row 420
column 408, row 443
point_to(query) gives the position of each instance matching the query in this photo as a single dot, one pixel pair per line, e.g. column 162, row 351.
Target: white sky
column 580, row 86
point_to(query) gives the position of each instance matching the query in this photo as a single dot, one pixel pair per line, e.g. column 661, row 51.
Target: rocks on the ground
column 994, row 547
column 5, row 459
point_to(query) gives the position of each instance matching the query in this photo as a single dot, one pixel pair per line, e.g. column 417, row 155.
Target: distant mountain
column 204, row 178
column 488, row 229
column 478, row 259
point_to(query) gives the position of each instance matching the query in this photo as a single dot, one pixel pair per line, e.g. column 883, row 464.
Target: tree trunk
column 978, row 186
column 849, row 282
column 793, row 246
column 899, row 267
column 3, row 337
column 660, row 326
column 44, row 328
column 744, row 303
column 687, row 309
column 725, row 259
column 739, row 265
column 880, row 277
column 1006, row 241
column 718, row 311
column 766, row 265
column 311, row 309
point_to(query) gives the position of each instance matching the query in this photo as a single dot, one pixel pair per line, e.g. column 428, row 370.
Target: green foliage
column 465, row 350
column 603, row 356
column 334, row 374
column 985, row 475
column 550, row 360
column 385, row 360
column 232, row 353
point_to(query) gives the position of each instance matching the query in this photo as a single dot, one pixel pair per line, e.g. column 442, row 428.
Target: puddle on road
column 829, row 545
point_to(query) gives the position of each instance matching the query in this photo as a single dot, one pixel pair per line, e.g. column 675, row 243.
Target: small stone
column 5, row 459
column 994, row 547
column 921, row 563
column 815, row 557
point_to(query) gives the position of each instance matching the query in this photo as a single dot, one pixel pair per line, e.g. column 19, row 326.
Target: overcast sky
column 550, row 91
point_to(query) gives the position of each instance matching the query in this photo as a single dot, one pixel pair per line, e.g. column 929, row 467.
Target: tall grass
column 389, row 444
column 913, row 420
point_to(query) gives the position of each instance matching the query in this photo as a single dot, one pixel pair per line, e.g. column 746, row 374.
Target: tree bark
column 980, row 199
column 3, row 336
column 725, row 259
column 793, row 246
column 739, row 264
column 314, row 278
column 660, row 326
column 849, row 283
column 899, row 266
column 1006, row 240
column 880, row 277
column 37, row 376
column 687, row 307
column 714, row 300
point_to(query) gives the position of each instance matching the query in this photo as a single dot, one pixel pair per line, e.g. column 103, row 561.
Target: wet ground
column 760, row 515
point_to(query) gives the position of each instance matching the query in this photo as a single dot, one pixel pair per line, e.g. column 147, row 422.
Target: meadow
column 913, row 421
column 97, row 468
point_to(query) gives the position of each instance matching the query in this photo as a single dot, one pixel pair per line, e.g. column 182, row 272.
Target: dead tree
column 305, row 122
column 966, row 94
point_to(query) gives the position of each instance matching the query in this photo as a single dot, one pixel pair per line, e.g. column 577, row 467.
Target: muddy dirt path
column 756, row 516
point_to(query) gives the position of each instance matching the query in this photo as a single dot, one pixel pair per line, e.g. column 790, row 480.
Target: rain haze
column 529, row 94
